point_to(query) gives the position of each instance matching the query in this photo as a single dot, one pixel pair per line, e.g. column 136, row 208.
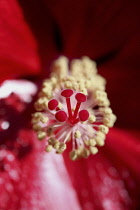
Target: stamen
column 77, row 134
column 48, row 148
column 60, row 121
column 92, row 119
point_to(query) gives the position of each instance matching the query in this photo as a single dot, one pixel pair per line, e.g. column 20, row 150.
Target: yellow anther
column 103, row 129
column 71, row 78
column 93, row 150
column 49, row 131
column 34, row 121
column 44, row 119
column 62, row 146
column 47, row 92
column 85, row 153
column 47, row 85
column 37, row 127
column 107, row 102
column 79, row 151
column 37, row 106
column 56, row 144
column 77, row 134
column 64, row 79
column 86, row 142
column 81, row 84
column 60, row 66
column 99, row 82
column 41, row 135
column 48, row 148
column 91, row 119
column 100, row 94
column 89, row 65
column 92, row 142
column 101, row 134
column 103, row 101
column 113, row 117
column 51, row 140
column 37, row 115
column 87, row 84
column 99, row 141
column 68, row 84
column 53, row 80
column 84, row 91
column 109, row 120
column 76, row 67
column 75, row 85
column 41, row 104
column 58, row 151
column 73, row 155
column 106, row 110
column 60, row 105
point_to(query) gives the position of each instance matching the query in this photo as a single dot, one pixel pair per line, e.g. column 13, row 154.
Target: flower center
column 61, row 108
column 71, row 116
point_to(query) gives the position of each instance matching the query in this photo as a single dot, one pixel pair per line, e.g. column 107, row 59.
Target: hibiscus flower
column 33, row 33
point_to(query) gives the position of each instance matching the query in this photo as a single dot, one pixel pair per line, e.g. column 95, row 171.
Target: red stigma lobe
column 80, row 97
column 83, row 115
column 61, row 116
column 67, row 93
column 52, row 104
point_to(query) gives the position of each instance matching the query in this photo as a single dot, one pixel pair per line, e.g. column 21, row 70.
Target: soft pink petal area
column 49, row 185
column 29, row 177
column 56, row 184
column 18, row 50
column 35, row 181
column 110, row 179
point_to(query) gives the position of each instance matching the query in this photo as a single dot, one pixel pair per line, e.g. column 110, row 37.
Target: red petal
column 18, row 50
column 110, row 179
column 124, row 149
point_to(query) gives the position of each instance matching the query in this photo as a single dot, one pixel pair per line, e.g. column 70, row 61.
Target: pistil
column 67, row 93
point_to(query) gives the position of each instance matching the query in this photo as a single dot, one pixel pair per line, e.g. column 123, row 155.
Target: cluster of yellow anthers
column 73, row 106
